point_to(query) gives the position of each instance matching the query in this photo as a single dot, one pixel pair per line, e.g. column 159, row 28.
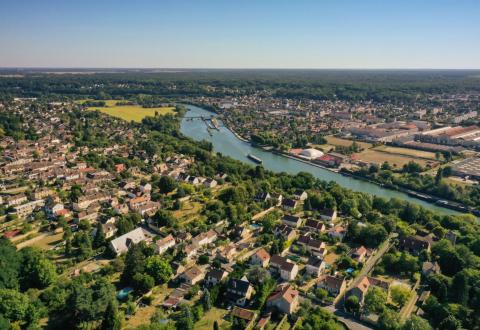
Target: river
column 225, row 142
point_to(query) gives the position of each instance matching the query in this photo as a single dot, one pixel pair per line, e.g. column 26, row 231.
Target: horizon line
column 226, row 68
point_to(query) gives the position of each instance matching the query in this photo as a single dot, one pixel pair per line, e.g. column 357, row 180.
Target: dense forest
column 351, row 85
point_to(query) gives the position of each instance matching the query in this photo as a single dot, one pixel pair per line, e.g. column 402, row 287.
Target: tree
column 416, row 323
column 143, row 282
column 375, row 300
column 206, row 300
column 388, row 320
column 450, row 323
column 13, row 305
column 352, row 304
column 163, row 218
column 185, row 320
column 318, row 318
column 87, row 303
column 448, row 258
column 36, row 270
column 258, row 275
column 134, row 263
column 159, row 269
column 400, row 294
column 215, row 325
column 99, row 239
column 461, row 288
column 10, row 265
column 111, row 319
column 321, row 294
column 167, row 184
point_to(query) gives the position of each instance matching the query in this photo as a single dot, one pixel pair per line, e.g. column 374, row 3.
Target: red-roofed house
column 284, row 298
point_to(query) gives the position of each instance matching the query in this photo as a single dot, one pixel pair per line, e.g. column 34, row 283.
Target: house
column 261, row 258
column 289, row 204
column 315, row 226
column 42, row 193
column 119, row 168
column 26, row 209
column 276, row 199
column 243, row 232
column 334, row 285
column 430, row 268
column 15, row 200
column 262, row 323
column 121, row 244
column 227, row 252
column 109, row 229
column 451, row 236
column 415, row 244
column 210, row 183
column 192, row 275
column 262, row 197
column 315, row 247
column 300, row 195
column 149, row 208
column 190, row 250
column 246, row 315
column 88, row 215
column 288, row 233
column 365, row 284
column 164, row 244
column 292, row 221
column 359, row 254
column 287, row 269
column 239, row 291
column 328, row 215
column 215, row 276
column 146, row 188
column 284, row 299
column 136, row 202
column 337, row 232
column 205, row 238
column 315, row 266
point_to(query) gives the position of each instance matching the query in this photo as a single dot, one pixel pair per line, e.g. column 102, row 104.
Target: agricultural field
column 395, row 160
column 408, row 152
column 130, row 112
column 335, row 141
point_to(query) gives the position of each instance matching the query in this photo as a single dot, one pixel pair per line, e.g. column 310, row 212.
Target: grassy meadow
column 129, row 112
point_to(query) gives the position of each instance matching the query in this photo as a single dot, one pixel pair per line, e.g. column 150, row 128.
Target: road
column 367, row 268
column 337, row 307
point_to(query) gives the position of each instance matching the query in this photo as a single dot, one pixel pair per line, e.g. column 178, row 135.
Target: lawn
column 214, row 314
column 189, row 212
column 44, row 241
column 130, row 112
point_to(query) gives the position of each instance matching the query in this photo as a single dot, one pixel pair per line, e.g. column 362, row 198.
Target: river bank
column 415, row 194
column 227, row 143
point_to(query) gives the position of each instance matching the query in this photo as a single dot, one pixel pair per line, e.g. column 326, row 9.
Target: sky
column 360, row 34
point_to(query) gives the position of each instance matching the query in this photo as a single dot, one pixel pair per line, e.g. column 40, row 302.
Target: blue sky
column 241, row 33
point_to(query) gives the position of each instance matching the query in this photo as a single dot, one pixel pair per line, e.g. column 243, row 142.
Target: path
column 351, row 323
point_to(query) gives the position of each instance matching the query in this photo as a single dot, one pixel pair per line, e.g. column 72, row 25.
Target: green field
column 130, row 112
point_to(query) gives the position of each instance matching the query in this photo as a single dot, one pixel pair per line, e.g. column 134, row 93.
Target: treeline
column 409, row 177
column 12, row 125
column 378, row 86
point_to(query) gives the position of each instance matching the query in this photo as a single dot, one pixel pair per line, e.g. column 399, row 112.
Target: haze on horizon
column 367, row 34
